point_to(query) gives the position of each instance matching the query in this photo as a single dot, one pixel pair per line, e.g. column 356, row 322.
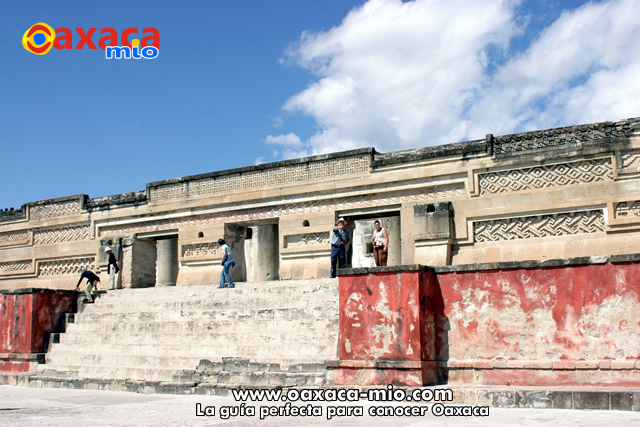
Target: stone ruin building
column 552, row 194
column 527, row 201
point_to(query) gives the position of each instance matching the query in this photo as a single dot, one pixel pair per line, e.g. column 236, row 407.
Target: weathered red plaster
column 371, row 376
column 27, row 318
column 14, row 367
column 387, row 316
column 577, row 301
column 528, row 377
column 568, row 325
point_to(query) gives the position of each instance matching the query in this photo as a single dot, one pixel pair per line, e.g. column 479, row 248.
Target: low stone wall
column 387, row 328
column 561, row 322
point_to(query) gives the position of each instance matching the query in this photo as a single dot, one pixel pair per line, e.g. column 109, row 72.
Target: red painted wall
column 562, row 325
column 386, row 316
column 582, row 312
column 26, row 316
column 15, row 323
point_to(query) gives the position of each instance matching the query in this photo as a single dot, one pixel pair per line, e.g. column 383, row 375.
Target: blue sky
column 249, row 81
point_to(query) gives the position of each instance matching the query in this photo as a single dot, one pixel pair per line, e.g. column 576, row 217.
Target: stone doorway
column 360, row 253
column 254, row 247
column 154, row 260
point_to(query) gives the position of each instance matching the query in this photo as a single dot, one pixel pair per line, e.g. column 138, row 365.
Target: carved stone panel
column 573, row 173
column 13, row 267
column 198, row 250
column 17, row 237
column 307, row 240
column 65, row 266
column 630, row 162
column 362, row 201
column 263, row 178
column 66, row 234
column 627, row 209
column 51, row 210
column 527, row 227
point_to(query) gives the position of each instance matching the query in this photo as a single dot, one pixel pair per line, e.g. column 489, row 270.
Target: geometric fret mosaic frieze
column 200, row 249
column 571, row 136
column 631, row 162
column 583, row 172
column 372, row 199
column 67, row 234
column 15, row 266
column 52, row 210
column 627, row 209
column 312, row 171
column 528, row 227
column 14, row 237
column 65, row 266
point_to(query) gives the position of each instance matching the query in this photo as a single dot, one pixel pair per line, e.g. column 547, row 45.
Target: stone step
column 275, row 300
column 213, row 337
column 55, row 360
column 209, row 364
column 298, row 287
column 282, row 286
column 258, row 313
column 266, row 379
column 111, row 372
column 294, row 350
column 269, row 375
column 140, row 338
column 187, row 327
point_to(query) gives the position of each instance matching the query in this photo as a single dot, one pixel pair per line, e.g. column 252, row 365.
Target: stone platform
column 171, row 339
column 202, row 340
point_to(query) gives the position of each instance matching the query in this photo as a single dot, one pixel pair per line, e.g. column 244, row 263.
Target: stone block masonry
column 549, row 194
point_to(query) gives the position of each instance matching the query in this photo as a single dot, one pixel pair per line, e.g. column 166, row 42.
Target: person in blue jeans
column 339, row 240
column 227, row 262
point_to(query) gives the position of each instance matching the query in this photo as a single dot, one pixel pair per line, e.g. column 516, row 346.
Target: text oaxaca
column 40, row 38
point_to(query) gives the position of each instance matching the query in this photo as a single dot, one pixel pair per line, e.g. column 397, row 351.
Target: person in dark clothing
column 112, row 268
column 92, row 281
column 339, row 240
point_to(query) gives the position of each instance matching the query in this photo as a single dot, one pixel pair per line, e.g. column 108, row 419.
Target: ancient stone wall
column 541, row 195
column 569, row 322
column 526, row 325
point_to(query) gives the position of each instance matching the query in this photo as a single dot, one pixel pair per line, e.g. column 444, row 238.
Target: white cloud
column 580, row 70
column 259, row 161
column 288, row 140
column 397, row 75
column 292, row 146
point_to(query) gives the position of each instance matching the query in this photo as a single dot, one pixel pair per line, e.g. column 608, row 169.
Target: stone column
column 167, row 262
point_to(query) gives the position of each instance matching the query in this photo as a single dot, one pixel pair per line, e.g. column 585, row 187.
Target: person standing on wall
column 92, row 281
column 227, row 262
column 339, row 240
column 112, row 268
column 380, row 244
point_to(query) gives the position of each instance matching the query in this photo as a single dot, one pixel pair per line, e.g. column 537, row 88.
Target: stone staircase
column 198, row 339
